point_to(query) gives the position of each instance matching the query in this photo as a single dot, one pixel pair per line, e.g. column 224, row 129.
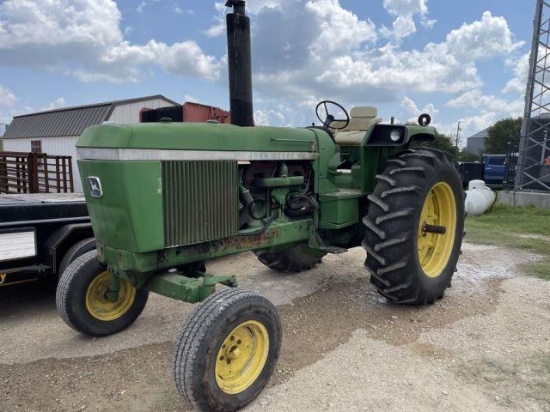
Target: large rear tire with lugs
column 294, row 259
column 227, row 350
column 414, row 227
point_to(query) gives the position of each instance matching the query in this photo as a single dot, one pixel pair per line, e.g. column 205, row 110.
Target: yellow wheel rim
column 438, row 214
column 103, row 309
column 242, row 357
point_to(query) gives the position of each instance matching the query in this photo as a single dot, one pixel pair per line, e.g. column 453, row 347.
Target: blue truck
column 491, row 169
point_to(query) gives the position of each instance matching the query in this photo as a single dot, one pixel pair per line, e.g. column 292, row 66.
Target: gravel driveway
column 485, row 347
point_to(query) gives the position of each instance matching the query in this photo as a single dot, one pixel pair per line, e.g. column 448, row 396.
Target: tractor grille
column 200, row 201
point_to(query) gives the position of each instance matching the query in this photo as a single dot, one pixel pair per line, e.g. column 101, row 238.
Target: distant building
column 55, row 131
column 475, row 144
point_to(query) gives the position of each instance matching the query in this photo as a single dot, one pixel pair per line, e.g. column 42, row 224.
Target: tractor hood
column 198, row 141
column 150, row 186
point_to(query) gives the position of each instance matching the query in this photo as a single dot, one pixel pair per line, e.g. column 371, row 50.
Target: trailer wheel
column 294, row 259
column 227, row 350
column 414, row 227
column 82, row 303
column 76, row 250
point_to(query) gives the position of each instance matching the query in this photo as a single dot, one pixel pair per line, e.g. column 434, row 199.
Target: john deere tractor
column 166, row 197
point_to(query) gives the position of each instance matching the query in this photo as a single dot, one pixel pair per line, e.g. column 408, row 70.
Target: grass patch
column 513, row 380
column 525, row 228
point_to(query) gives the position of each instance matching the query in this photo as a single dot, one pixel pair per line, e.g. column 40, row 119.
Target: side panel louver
column 200, row 201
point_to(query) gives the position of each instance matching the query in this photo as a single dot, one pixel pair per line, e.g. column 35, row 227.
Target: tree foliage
column 466, row 156
column 441, row 142
column 500, row 133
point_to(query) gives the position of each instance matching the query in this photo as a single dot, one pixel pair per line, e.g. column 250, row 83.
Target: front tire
column 293, row 260
column 76, row 250
column 414, row 227
column 82, row 303
column 227, row 350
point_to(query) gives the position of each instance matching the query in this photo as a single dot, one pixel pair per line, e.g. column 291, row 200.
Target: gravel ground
column 486, row 346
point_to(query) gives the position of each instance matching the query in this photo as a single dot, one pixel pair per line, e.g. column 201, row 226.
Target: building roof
column 481, row 134
column 67, row 121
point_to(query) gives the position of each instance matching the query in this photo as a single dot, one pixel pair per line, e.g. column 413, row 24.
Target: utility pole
column 457, row 134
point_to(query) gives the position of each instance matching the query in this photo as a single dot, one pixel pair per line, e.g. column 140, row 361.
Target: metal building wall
column 129, row 113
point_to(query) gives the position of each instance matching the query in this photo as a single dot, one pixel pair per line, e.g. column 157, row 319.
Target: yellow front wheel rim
column 438, row 215
column 103, row 309
column 242, row 357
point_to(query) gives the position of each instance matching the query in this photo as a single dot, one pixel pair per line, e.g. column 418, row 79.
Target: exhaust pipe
column 239, row 64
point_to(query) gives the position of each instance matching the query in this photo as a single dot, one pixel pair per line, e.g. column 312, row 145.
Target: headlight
column 395, row 135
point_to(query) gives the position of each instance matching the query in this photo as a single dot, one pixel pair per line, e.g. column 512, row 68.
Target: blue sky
column 461, row 60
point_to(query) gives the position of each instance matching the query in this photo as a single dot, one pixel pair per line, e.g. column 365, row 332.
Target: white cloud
column 268, row 117
column 341, row 31
column 141, row 7
column 520, row 67
column 56, row 104
column 56, row 23
column 185, row 58
column 7, row 98
column 403, row 26
column 144, row 4
column 217, row 29
column 406, row 7
column 83, row 38
column 190, row 98
column 488, row 109
column 404, row 12
column 358, row 68
column 475, row 99
column 485, row 38
column 413, row 111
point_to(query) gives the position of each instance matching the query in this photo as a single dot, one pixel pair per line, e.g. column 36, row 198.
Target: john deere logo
column 94, row 184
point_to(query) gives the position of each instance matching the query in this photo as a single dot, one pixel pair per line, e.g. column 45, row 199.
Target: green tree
column 466, row 156
column 441, row 142
column 500, row 133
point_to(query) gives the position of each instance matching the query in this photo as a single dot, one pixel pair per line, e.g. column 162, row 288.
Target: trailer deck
column 36, row 230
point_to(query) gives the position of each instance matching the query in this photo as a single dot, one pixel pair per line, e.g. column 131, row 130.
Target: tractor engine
column 267, row 188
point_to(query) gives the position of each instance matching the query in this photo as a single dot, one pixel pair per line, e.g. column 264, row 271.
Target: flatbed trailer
column 41, row 234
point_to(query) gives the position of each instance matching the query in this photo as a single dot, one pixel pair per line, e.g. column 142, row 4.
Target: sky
column 458, row 60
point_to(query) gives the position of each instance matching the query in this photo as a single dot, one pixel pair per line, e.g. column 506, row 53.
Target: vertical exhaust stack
column 239, row 64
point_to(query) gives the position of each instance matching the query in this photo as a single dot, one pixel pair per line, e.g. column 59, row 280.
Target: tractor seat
column 361, row 118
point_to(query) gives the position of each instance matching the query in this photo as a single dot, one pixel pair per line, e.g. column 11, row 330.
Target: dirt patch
column 485, row 346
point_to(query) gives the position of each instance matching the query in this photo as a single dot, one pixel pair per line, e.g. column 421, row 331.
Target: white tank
column 479, row 198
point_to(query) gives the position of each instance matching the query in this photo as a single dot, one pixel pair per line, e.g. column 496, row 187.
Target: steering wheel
column 330, row 118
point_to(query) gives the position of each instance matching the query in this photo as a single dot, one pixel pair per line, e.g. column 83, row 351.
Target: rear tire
column 227, row 350
column 294, row 259
column 418, row 196
column 82, row 303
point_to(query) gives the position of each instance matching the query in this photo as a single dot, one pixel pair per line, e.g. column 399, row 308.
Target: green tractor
column 164, row 198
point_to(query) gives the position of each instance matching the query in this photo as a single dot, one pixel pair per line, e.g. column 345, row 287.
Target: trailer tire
column 227, row 350
column 76, row 250
column 294, row 259
column 82, row 304
column 414, row 227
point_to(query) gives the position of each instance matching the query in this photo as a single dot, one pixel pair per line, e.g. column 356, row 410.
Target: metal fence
column 22, row 172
